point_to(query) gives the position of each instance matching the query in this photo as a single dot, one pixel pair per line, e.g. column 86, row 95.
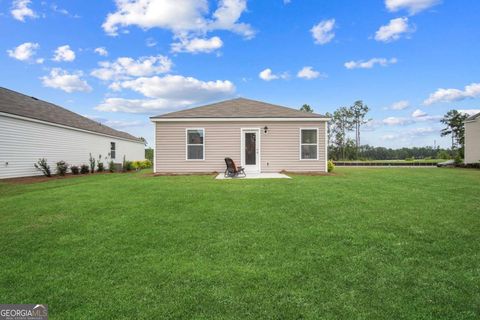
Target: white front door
column 251, row 150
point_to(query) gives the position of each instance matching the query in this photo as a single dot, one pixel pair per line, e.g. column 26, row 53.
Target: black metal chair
column 232, row 170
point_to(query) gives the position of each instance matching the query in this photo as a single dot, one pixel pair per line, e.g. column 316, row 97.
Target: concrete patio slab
column 221, row 176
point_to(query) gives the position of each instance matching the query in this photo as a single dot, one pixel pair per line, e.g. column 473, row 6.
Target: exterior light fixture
column 265, row 129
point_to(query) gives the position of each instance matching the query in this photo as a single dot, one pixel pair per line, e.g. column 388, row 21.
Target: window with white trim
column 309, row 144
column 195, row 144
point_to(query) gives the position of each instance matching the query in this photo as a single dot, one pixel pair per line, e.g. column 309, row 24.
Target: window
column 308, row 144
column 195, row 144
column 112, row 150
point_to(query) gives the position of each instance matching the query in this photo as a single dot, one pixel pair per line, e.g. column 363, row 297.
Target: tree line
column 351, row 119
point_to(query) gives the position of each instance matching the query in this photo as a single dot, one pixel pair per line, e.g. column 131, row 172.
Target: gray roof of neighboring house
column 475, row 116
column 240, row 108
column 22, row 105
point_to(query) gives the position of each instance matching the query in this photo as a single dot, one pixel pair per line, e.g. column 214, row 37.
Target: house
column 472, row 139
column 31, row 129
column 259, row 136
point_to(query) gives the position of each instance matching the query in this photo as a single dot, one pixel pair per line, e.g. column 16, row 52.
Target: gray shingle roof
column 475, row 116
column 239, row 108
column 15, row 103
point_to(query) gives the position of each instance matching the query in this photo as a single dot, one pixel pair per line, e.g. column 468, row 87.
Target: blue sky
column 123, row 61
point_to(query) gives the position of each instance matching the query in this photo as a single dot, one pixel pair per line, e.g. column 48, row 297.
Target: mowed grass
column 363, row 244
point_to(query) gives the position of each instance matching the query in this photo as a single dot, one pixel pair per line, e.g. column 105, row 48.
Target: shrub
column 409, row 159
column 100, row 166
column 84, row 169
column 146, row 164
column 443, row 155
column 111, row 166
column 137, row 165
column 458, row 159
column 141, row 164
column 124, row 164
column 43, row 166
column 62, row 167
column 92, row 163
column 75, row 169
column 330, row 166
column 128, row 166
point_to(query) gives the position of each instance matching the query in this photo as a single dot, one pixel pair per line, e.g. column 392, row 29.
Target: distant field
column 397, row 161
column 373, row 163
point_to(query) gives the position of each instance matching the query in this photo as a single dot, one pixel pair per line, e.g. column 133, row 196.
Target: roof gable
column 15, row 103
column 239, row 108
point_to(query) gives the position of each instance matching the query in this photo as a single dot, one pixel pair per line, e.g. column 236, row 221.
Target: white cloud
column 416, row 117
column 400, row 105
column 361, row 64
column 102, row 51
column 179, row 88
column 178, row 16
column 64, row 53
column 309, row 73
column 118, row 124
column 122, row 124
column 408, row 135
column 395, row 121
column 393, row 30
column 323, row 31
column 147, row 106
column 181, row 17
column 168, row 93
column 470, row 112
column 55, row 8
column 268, row 75
column 150, row 42
column 412, row 6
column 418, row 114
column 24, row 52
column 197, row 45
column 126, row 67
column 20, row 10
column 68, row 82
column 448, row 95
column 226, row 16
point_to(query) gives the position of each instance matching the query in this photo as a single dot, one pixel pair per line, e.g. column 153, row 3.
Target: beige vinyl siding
column 472, row 141
column 279, row 148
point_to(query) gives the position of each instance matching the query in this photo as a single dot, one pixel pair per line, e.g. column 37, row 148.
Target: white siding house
column 27, row 136
column 472, row 139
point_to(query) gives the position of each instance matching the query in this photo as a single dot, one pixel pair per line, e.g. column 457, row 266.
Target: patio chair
column 232, row 170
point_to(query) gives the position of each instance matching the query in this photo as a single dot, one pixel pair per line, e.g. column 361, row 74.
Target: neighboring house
column 259, row 136
column 31, row 129
column 472, row 139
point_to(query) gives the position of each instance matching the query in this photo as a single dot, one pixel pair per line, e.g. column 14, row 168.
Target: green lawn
column 363, row 244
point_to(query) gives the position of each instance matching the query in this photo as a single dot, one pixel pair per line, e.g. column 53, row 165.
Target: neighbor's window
column 112, row 150
column 308, row 144
column 195, row 144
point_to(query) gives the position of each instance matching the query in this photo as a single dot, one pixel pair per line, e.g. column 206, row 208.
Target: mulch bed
column 38, row 179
